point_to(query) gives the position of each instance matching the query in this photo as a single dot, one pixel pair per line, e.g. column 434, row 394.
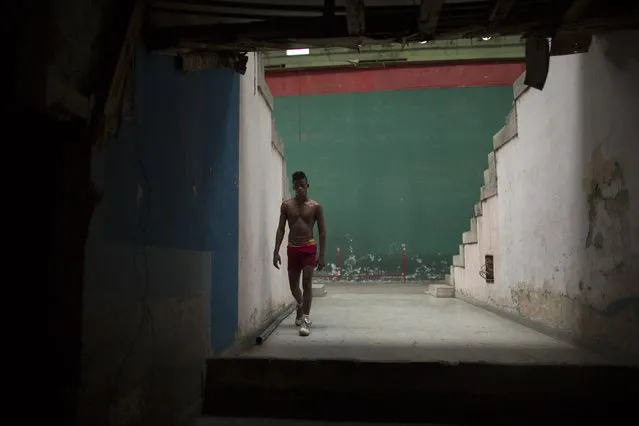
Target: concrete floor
column 399, row 322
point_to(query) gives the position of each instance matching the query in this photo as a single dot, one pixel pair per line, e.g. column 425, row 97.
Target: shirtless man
column 301, row 213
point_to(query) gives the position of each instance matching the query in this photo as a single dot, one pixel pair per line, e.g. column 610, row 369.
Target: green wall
column 393, row 168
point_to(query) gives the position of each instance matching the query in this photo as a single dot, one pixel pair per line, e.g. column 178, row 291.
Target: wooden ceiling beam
column 383, row 24
column 379, row 23
column 576, row 10
column 428, row 17
column 566, row 44
column 329, row 9
column 499, row 12
column 355, row 17
column 255, row 6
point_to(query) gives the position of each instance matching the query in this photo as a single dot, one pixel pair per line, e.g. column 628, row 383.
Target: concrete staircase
column 489, row 189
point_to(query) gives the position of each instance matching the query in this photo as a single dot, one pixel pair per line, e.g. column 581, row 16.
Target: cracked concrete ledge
column 469, row 237
column 458, row 259
column 490, row 178
column 278, row 147
column 487, row 192
column 276, row 140
column 262, row 87
column 490, row 186
column 519, row 88
column 508, row 132
column 492, row 168
column 479, row 211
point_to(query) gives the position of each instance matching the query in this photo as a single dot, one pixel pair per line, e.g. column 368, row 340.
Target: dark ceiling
column 211, row 33
column 210, row 25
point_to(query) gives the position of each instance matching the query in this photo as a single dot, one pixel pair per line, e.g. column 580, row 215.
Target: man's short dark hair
column 299, row 175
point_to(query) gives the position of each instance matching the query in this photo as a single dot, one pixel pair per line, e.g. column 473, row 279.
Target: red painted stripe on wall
column 294, row 83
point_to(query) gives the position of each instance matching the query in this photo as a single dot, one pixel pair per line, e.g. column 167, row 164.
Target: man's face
column 300, row 187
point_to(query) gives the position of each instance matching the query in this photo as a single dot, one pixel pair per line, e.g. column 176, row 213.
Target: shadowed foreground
column 411, row 392
column 390, row 353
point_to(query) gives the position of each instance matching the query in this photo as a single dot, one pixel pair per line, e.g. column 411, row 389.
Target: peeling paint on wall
column 608, row 203
column 392, row 264
column 609, row 236
column 568, row 209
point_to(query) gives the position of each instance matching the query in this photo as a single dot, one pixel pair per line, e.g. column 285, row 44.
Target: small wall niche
column 488, row 270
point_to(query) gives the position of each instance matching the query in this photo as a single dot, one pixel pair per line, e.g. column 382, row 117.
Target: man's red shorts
column 301, row 256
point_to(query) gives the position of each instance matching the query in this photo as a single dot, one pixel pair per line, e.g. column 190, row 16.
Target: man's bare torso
column 301, row 218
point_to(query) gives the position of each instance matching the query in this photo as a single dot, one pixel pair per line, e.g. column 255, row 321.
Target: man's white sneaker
column 305, row 327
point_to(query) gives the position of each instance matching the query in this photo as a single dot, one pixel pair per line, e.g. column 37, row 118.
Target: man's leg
column 307, row 287
column 307, row 296
column 294, row 283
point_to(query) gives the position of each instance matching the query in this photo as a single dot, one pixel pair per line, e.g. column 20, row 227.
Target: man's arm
column 321, row 227
column 281, row 229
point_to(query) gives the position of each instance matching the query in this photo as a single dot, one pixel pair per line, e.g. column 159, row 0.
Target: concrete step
column 469, row 237
column 441, row 290
column 347, row 390
column 319, row 290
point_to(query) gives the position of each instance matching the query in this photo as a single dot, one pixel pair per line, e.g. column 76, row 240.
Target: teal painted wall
column 393, row 168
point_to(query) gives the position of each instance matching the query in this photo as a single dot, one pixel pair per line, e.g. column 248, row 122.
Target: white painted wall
column 467, row 279
column 564, row 226
column 263, row 290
